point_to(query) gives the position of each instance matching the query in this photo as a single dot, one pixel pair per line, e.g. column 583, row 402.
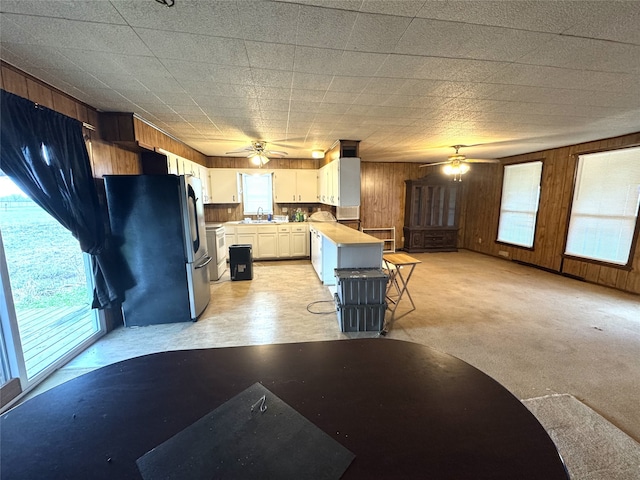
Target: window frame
column 537, row 212
column 636, row 231
column 245, row 194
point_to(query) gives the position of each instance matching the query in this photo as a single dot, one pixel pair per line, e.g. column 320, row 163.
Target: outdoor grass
column 44, row 260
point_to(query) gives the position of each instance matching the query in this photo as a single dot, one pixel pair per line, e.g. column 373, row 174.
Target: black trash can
column 240, row 262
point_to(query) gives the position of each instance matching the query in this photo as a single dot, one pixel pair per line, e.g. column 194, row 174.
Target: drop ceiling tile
column 333, row 108
column 270, row 93
column 369, row 99
column 274, row 104
column 92, row 11
column 143, row 98
column 348, row 84
column 224, row 102
column 103, row 37
column 311, row 81
column 377, row 33
column 316, row 60
column 339, row 97
column 539, row 16
column 176, row 98
column 206, row 18
column 122, row 81
column 359, row 64
column 268, row 22
column 214, row 88
column 432, row 38
column 616, row 21
column 307, row 95
column 271, row 78
column 314, row 21
column 587, row 54
column 405, row 8
column 202, row 48
column 380, row 85
column 162, row 84
column 303, row 106
column 270, row 55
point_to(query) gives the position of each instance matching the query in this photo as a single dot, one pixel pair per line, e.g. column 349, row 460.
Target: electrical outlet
column 285, row 209
column 479, row 239
column 503, row 253
column 228, row 210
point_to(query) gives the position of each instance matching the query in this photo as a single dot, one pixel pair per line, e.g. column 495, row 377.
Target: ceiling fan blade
column 432, row 164
column 246, row 149
column 275, row 152
column 481, row 160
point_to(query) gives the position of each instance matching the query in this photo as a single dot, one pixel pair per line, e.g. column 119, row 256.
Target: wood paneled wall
column 382, row 194
column 481, row 203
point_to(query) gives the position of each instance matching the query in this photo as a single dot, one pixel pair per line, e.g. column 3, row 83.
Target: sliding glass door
column 46, row 310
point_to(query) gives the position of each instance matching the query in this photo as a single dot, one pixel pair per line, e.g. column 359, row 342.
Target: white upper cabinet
column 339, row 182
column 224, row 185
column 295, row 186
column 348, row 193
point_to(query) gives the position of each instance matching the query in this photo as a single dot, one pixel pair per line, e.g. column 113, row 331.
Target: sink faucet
column 260, row 213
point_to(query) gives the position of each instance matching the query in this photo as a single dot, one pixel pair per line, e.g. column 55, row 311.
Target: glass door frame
column 11, row 353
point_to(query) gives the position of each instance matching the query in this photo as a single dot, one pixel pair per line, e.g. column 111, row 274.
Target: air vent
column 348, row 213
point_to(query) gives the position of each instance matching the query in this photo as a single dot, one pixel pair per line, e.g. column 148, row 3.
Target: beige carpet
column 592, row 448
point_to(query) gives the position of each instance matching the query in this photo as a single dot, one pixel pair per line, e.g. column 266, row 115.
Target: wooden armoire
column 431, row 214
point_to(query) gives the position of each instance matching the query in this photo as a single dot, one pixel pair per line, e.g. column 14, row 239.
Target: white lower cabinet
column 299, row 241
column 267, row 242
column 271, row 241
column 248, row 235
column 284, row 241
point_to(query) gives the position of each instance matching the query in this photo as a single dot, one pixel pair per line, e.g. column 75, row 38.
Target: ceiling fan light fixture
column 456, row 168
column 259, row 159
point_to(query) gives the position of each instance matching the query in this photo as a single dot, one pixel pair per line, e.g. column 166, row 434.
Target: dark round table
column 404, row 410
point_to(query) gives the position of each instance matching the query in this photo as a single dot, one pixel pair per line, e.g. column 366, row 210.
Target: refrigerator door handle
column 195, row 232
column 202, row 265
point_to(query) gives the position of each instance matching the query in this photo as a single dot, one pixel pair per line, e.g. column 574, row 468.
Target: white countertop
column 342, row 235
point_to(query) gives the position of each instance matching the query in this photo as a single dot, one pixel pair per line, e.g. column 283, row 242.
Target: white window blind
column 257, row 193
column 519, row 204
column 605, row 206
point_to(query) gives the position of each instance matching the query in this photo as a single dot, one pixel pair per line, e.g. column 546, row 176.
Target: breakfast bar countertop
column 342, row 235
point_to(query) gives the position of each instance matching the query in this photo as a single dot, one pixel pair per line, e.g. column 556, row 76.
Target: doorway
column 46, row 291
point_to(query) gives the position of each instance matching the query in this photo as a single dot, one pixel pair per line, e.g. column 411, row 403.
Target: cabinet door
column 248, row 235
column 284, row 186
column 225, row 186
column 322, row 183
column 284, row 245
column 267, row 245
column 299, row 244
column 348, row 183
column 334, row 182
column 300, row 240
column 307, row 186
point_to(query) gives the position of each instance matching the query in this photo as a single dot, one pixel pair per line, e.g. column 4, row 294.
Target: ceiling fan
column 258, row 153
column 458, row 164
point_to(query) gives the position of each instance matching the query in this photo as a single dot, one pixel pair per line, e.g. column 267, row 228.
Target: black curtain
column 44, row 153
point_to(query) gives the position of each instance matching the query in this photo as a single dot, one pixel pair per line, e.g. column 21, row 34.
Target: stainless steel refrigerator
column 157, row 223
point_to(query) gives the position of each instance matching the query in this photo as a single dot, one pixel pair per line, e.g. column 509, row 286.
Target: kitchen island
column 334, row 245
